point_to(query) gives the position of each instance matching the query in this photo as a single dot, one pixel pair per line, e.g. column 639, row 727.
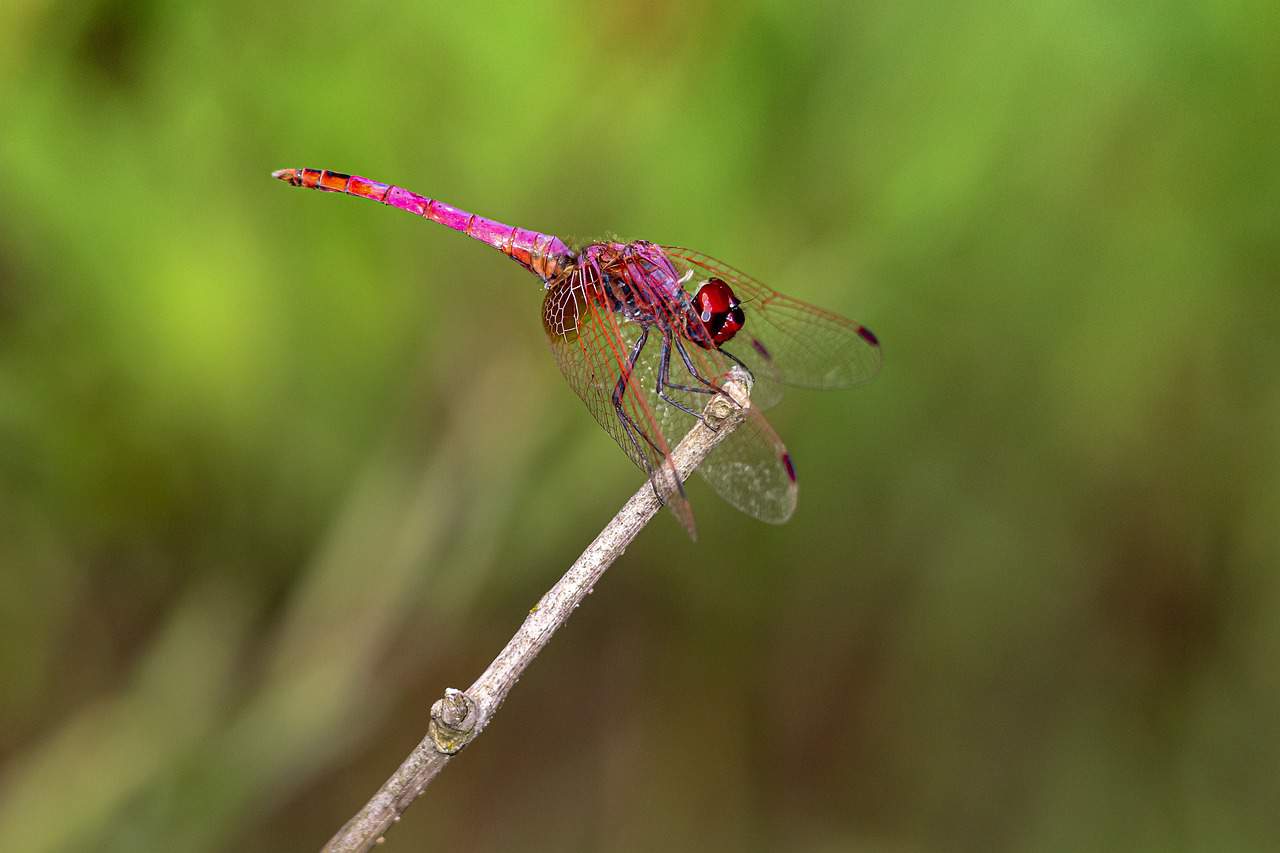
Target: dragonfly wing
column 785, row 339
column 750, row 469
column 592, row 349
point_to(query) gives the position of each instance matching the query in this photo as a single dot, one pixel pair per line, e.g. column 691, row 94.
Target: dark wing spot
column 791, row 469
column 764, row 353
column 868, row 336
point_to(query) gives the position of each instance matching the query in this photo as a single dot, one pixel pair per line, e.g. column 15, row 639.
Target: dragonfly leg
column 711, row 387
column 664, row 369
column 738, row 362
column 707, row 387
column 629, row 426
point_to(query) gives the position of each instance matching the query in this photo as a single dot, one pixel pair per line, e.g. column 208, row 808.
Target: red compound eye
column 718, row 310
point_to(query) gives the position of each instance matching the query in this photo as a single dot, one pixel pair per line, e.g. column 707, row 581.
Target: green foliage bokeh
column 277, row 467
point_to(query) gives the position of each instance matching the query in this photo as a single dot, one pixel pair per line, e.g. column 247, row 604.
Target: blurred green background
column 278, row 467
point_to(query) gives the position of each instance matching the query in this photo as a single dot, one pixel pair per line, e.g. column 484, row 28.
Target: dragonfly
column 647, row 334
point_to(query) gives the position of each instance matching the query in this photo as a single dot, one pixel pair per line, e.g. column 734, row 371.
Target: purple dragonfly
column 645, row 333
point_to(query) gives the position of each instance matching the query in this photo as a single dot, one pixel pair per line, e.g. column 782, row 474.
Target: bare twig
column 459, row 717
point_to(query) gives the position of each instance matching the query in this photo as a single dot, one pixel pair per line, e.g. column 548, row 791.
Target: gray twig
column 459, row 717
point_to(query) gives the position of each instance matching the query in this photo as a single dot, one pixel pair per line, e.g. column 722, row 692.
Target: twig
column 459, row 717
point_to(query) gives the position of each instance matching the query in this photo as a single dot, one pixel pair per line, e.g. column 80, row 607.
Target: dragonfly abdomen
column 541, row 254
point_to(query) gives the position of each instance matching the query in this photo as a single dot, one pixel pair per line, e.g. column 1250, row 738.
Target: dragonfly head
column 718, row 311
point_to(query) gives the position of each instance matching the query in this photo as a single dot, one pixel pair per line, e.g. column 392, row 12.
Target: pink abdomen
column 542, row 254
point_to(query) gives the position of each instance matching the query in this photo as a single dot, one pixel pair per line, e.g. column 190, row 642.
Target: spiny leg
column 628, row 423
column 738, row 362
column 711, row 387
column 664, row 368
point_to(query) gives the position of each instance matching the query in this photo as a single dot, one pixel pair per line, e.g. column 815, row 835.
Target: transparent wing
column 592, row 349
column 784, row 339
column 750, row 469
